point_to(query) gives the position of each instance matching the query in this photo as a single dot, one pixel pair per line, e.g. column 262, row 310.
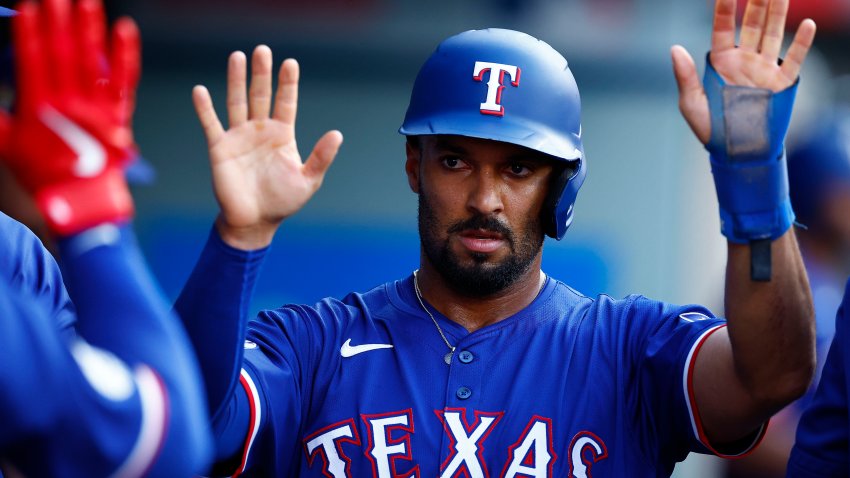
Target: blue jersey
column 823, row 435
column 122, row 397
column 570, row 386
column 25, row 265
column 56, row 394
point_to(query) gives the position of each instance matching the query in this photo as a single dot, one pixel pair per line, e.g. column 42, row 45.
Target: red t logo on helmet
column 495, row 84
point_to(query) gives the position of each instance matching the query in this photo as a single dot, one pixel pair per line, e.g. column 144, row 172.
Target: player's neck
column 474, row 313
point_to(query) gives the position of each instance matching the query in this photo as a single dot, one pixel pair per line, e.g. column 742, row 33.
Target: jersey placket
column 466, row 427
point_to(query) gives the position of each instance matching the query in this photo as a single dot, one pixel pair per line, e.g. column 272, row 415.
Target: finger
column 691, row 95
column 126, row 65
column 260, row 93
column 237, row 101
column 774, row 31
column 322, row 156
column 206, row 115
column 752, row 25
column 723, row 32
column 91, row 38
column 286, row 99
column 685, row 71
column 60, row 50
column 799, row 49
column 29, row 59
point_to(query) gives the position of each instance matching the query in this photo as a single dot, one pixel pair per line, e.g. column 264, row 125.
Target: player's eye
column 519, row 169
column 452, row 162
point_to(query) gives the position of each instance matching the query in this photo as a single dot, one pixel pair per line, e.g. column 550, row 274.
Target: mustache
column 486, row 223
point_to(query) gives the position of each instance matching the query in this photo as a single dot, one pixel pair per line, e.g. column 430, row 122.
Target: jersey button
column 463, row 393
column 465, row 356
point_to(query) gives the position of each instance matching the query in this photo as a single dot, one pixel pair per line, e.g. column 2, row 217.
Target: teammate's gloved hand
column 70, row 137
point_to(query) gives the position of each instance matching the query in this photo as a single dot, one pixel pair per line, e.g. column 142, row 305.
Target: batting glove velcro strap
column 72, row 206
column 748, row 127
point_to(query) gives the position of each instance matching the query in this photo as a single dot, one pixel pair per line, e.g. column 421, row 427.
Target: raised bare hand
column 258, row 176
column 754, row 62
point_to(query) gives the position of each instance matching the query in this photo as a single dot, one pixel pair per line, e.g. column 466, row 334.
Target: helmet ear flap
column 564, row 171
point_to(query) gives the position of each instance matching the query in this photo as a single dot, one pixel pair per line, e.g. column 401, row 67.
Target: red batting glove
column 70, row 137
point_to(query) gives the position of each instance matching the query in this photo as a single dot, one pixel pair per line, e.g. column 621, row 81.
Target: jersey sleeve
column 26, row 265
column 285, row 368
column 823, row 435
column 270, row 398
column 213, row 306
column 72, row 409
column 76, row 411
column 667, row 340
column 123, row 399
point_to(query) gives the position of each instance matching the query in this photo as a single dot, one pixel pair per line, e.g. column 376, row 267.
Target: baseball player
column 119, row 394
column 819, row 181
column 478, row 363
column 821, row 449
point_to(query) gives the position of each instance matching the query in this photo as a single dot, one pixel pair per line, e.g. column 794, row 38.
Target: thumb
column 692, row 100
column 322, row 156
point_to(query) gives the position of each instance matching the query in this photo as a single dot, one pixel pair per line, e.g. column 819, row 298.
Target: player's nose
column 485, row 193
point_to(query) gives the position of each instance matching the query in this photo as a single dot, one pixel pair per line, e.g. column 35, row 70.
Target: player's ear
column 411, row 166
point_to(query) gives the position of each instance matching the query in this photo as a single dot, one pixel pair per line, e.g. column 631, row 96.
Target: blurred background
column 646, row 219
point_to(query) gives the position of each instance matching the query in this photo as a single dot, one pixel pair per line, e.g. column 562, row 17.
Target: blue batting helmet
column 505, row 86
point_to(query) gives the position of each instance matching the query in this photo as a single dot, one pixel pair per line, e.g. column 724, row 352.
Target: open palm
column 258, row 176
column 754, row 62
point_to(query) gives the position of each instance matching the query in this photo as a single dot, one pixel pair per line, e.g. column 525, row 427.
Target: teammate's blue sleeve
column 26, row 265
column 68, row 409
column 214, row 308
column 822, row 448
column 664, row 341
column 33, row 355
column 126, row 401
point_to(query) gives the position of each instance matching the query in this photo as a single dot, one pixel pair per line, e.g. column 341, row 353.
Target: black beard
column 482, row 279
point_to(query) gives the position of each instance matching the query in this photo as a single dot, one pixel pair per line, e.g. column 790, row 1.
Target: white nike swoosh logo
column 91, row 157
column 348, row 350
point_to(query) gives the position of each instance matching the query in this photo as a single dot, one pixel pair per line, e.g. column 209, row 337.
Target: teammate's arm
column 824, row 429
column 765, row 358
column 126, row 398
column 26, row 264
column 123, row 396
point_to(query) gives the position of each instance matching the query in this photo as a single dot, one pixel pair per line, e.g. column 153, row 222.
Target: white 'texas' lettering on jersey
column 533, row 455
column 384, row 449
column 391, row 455
column 495, row 84
column 326, row 442
column 468, row 442
column 585, row 443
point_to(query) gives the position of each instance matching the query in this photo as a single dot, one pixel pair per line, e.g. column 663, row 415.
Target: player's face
column 479, row 209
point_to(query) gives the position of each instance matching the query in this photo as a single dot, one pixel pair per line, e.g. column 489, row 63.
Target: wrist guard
column 746, row 147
